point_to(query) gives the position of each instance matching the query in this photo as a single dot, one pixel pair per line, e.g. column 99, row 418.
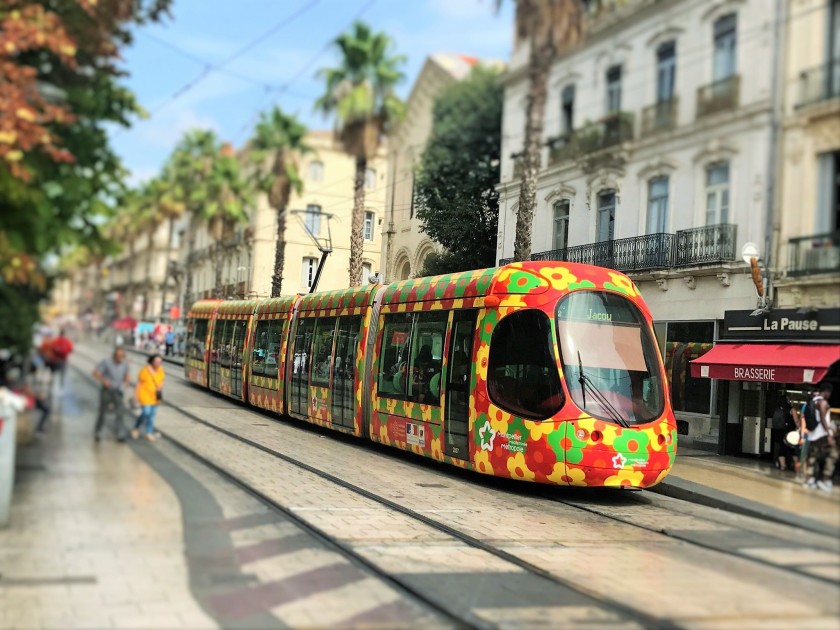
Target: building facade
column 405, row 246
column 657, row 137
column 246, row 252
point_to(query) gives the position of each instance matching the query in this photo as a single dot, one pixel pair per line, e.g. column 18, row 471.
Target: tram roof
column 203, row 308
column 339, row 300
column 276, row 305
column 233, row 308
column 523, row 278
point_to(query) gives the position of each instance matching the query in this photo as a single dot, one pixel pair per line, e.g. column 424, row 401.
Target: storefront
column 761, row 358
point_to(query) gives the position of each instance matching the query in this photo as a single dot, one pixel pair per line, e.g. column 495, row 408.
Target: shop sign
column 767, row 374
column 782, row 325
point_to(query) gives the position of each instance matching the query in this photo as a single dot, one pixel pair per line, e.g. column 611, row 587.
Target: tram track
column 614, row 605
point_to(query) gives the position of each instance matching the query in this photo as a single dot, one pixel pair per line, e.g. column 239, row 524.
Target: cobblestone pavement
column 694, row 581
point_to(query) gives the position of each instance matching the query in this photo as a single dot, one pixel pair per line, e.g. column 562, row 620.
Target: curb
column 685, row 490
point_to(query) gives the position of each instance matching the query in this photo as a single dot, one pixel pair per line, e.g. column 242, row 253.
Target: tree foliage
column 59, row 87
column 459, row 169
column 360, row 92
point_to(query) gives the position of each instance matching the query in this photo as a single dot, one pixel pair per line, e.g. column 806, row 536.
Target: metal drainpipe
column 771, row 225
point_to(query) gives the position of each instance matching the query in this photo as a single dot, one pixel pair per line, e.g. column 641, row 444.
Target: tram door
column 301, row 352
column 458, row 381
column 343, row 403
column 236, row 352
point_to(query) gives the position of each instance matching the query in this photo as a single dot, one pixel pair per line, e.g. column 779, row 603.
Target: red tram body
column 538, row 371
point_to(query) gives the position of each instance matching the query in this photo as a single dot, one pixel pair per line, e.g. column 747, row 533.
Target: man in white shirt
column 822, row 446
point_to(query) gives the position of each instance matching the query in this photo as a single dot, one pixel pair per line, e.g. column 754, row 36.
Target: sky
column 174, row 69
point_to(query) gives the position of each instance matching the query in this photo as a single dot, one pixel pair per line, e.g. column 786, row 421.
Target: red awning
column 780, row 363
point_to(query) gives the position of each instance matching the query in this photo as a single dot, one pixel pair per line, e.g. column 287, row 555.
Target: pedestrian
column 782, row 424
column 113, row 375
column 61, row 348
column 169, row 338
column 149, row 393
column 822, row 447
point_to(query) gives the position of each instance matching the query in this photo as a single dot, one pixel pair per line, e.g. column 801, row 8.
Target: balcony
column 811, row 255
column 594, row 136
column 719, row 96
column 661, row 116
column 819, row 84
column 705, row 245
column 687, row 248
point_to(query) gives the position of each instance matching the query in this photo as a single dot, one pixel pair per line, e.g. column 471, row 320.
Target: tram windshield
column 609, row 358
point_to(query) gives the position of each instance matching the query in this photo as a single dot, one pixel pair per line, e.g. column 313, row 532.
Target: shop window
column 523, row 378
column 687, row 341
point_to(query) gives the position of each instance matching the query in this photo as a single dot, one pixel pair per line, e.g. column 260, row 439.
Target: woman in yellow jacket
column 149, row 388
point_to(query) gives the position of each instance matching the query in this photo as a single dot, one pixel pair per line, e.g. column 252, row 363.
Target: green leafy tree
column 278, row 140
column 360, row 93
column 455, row 186
column 547, row 27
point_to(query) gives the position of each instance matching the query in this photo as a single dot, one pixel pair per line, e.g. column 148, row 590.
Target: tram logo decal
column 487, row 435
column 619, row 460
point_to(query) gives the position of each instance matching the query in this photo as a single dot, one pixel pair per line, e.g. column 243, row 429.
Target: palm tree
column 281, row 138
column 360, row 92
column 206, row 177
column 170, row 208
column 148, row 221
column 549, row 27
column 124, row 228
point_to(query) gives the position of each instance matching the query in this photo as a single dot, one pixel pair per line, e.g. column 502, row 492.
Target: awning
column 779, row 363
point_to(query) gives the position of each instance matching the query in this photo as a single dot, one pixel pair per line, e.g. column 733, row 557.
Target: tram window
column 226, row 343
column 237, row 343
column 197, row 339
column 428, row 334
column 273, row 358
column 260, row 352
column 523, row 378
column 393, row 356
column 217, row 341
column 322, row 351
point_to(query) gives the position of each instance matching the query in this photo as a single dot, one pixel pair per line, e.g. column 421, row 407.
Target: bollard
column 8, row 431
column 10, row 406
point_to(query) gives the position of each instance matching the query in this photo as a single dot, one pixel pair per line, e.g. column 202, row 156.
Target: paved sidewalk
column 95, row 538
column 752, row 487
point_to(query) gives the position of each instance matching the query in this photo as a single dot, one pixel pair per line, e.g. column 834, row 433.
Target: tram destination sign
column 783, row 325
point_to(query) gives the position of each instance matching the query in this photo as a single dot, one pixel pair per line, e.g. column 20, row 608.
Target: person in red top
column 61, row 348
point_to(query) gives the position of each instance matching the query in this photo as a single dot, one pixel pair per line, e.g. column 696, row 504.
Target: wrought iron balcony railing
column 607, row 132
column 814, row 254
column 661, row 116
column 718, row 96
column 819, row 84
column 705, row 245
column 687, row 248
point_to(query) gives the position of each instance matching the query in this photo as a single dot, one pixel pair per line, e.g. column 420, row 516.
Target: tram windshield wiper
column 586, row 384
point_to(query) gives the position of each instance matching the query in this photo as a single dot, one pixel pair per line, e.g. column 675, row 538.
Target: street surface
column 299, row 527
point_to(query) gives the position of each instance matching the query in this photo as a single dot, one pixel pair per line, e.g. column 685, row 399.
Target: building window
column 310, row 266
column 370, row 179
column 686, row 341
column 725, row 47
column 717, row 193
column 316, row 171
column 561, row 225
column 666, row 68
column 605, row 223
column 567, row 111
column 313, row 219
column 369, row 218
column 613, row 89
column 828, row 192
column 367, row 271
column 657, row 218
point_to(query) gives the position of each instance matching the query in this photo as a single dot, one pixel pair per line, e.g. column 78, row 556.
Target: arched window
column 561, row 225
column 316, row 171
column 370, row 179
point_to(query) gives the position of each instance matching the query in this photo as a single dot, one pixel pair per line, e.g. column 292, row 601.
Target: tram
column 539, row 371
